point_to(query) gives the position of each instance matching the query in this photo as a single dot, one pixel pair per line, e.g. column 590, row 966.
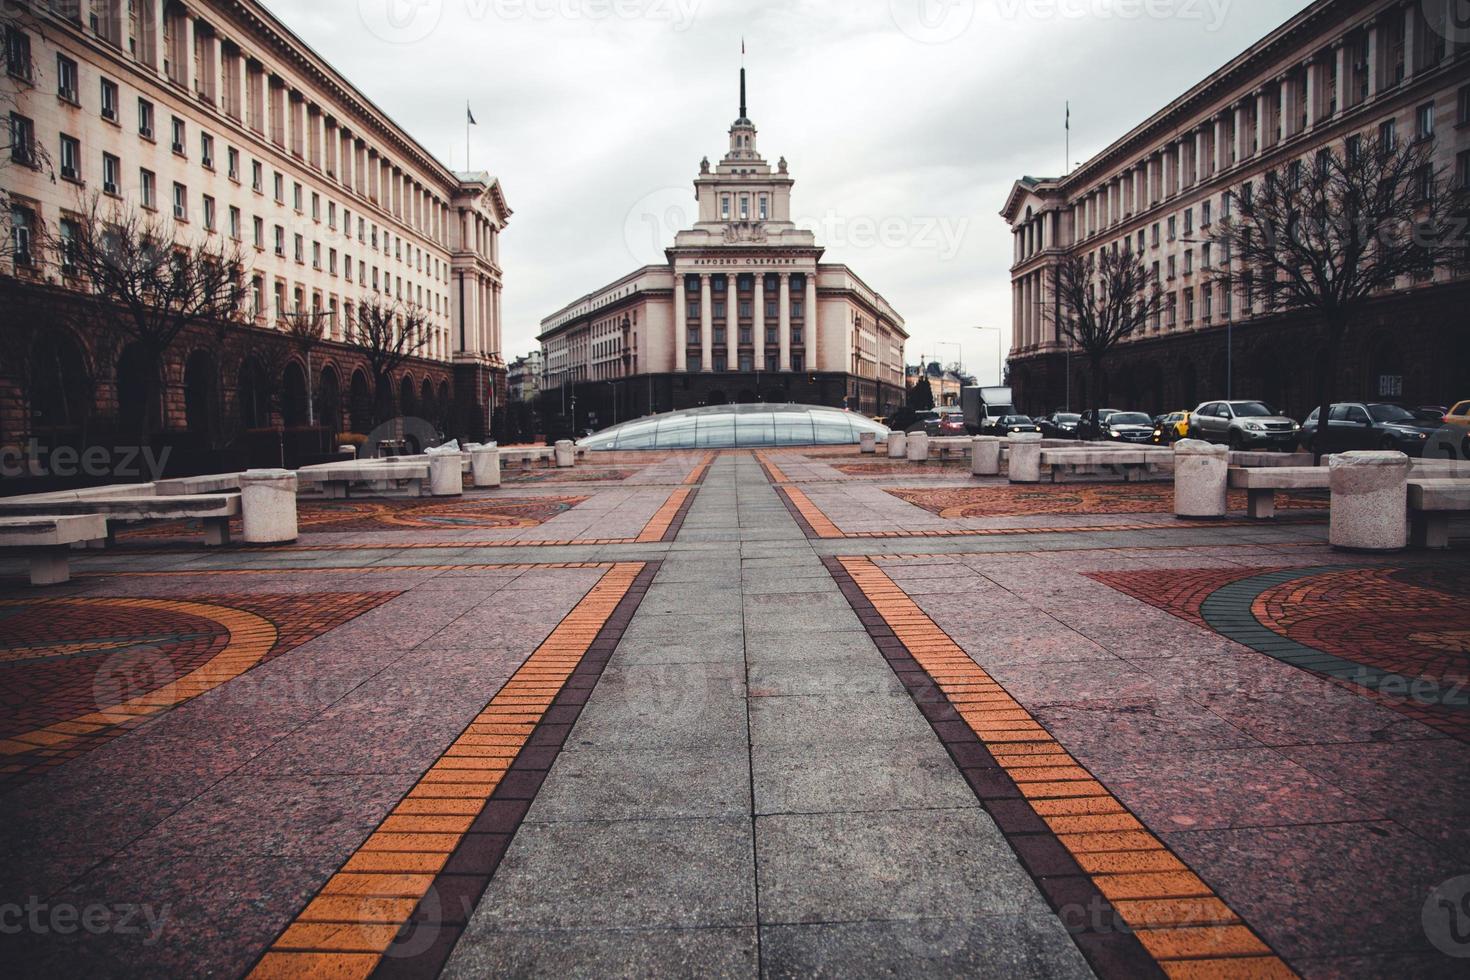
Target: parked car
column 1170, row 428
column 953, row 424
column 1452, row 441
column 923, row 421
column 1011, row 424
column 1090, row 428
column 1360, row 425
column 1133, row 427
column 1059, row 425
column 1431, row 413
column 1244, row 425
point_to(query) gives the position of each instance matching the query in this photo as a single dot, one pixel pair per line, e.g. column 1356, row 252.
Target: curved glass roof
column 761, row 426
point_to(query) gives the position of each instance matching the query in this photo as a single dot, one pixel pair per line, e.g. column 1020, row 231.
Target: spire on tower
column 742, row 78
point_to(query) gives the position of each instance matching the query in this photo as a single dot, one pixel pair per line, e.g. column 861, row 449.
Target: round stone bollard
column 1201, row 479
column 1025, row 454
column 1370, row 501
column 349, row 451
column 566, row 455
column 898, row 445
column 985, row 456
column 485, row 466
column 268, row 506
column 869, row 443
column 918, row 448
column 446, row 475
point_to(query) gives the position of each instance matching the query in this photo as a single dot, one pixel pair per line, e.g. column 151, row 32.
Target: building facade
column 214, row 117
column 744, row 310
column 523, row 377
column 1338, row 69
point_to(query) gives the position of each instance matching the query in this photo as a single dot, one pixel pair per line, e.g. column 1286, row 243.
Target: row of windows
column 762, row 203
column 745, row 362
column 746, row 310
column 720, row 284
column 746, row 338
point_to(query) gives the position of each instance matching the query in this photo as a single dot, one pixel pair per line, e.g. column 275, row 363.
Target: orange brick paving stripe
column 701, row 471
column 663, row 521
column 251, row 637
column 345, row 930
column 353, row 570
column 1178, row 918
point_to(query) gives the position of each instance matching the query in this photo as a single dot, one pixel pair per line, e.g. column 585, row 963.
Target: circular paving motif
column 72, row 668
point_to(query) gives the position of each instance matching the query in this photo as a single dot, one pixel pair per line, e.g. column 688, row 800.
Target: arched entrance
column 427, row 407
column 201, row 394
column 362, row 403
column 59, row 391
column 329, row 398
column 133, row 390
column 293, row 397
column 408, row 401
column 254, row 396
column 717, row 398
column 746, row 397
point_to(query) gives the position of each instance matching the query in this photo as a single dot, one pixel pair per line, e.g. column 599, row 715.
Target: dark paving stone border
column 1105, row 940
column 426, row 941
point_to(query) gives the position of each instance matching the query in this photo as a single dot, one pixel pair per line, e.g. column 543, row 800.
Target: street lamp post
column 1000, row 355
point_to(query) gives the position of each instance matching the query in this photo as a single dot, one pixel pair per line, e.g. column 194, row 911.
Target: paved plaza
column 782, row 713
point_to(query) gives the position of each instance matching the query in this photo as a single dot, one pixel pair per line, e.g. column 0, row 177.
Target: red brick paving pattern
column 578, row 475
column 1102, row 498
column 66, row 659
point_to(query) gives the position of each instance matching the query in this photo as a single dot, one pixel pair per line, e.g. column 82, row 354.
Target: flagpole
column 1067, row 164
column 466, row 137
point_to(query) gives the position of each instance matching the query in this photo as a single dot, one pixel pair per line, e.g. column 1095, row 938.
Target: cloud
column 906, row 116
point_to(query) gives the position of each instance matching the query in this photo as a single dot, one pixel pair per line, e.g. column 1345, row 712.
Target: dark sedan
column 1059, row 425
column 1012, row 424
column 1132, row 427
column 1366, row 425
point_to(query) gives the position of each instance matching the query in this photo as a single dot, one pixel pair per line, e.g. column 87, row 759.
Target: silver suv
column 1244, row 425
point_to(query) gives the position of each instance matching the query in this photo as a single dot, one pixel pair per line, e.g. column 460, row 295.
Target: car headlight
column 1254, row 427
column 1295, row 427
column 1114, row 432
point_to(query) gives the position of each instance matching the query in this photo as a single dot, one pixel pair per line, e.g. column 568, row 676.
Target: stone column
column 1263, row 116
column 1314, row 92
column 758, row 330
column 1375, row 54
column 565, row 452
column 1201, row 154
column 732, row 323
column 681, row 325
column 785, row 321
column 810, row 333
column 985, row 456
column 1239, row 111
column 1025, row 456
column 1370, row 501
column 1341, row 68
column 706, row 325
column 1412, row 32
column 898, row 445
column 1285, row 109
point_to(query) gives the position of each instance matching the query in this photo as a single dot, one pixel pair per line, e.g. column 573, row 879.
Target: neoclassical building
column 744, row 310
column 1339, row 69
column 213, row 115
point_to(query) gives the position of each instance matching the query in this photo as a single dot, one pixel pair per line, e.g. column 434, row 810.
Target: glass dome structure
column 761, row 426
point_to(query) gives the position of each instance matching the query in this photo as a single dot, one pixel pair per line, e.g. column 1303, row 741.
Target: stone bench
column 47, row 539
column 1440, row 469
column 215, row 511
column 1262, row 484
column 1431, row 504
column 89, row 493
column 1133, row 465
column 191, row 485
column 336, row 479
column 1272, row 460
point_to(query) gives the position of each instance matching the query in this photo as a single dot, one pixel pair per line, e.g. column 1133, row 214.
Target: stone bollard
column 869, row 443
column 566, row 455
column 350, row 451
column 485, row 466
column 1370, row 501
column 898, row 445
column 268, row 506
column 446, row 475
column 918, row 448
column 1201, row 479
column 985, row 456
column 1025, row 454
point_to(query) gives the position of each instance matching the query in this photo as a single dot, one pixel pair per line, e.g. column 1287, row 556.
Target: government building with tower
column 743, row 311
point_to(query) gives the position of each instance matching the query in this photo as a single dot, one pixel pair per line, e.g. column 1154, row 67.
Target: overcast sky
column 904, row 121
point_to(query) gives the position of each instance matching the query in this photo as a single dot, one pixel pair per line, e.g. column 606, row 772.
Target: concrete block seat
column 1133, row 465
column 192, row 485
column 335, row 479
column 1272, row 459
column 215, row 510
column 47, row 539
column 1262, row 484
column 1432, row 502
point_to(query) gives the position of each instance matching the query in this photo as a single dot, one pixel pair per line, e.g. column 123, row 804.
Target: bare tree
column 1103, row 298
column 1325, row 237
column 137, row 279
column 305, row 329
column 387, row 333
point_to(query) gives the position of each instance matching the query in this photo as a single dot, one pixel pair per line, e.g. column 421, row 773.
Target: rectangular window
column 109, row 100
column 316, row 255
column 71, row 158
column 1388, row 134
column 1425, row 115
column 1173, row 228
column 316, row 207
column 765, row 209
column 206, row 151
column 232, row 164
column 209, row 216
column 258, row 232
column 1189, row 221
column 145, row 119
column 280, row 187
column 111, row 174
column 17, row 53
column 179, row 133
column 181, row 202
column 66, row 79
column 71, row 232
column 22, row 228
column 1204, row 214
column 22, row 140
column 280, row 235
column 1462, row 113
column 1155, row 239
column 235, row 223
column 148, row 189
column 1462, row 169
column 296, row 197
column 300, row 249
column 1189, row 262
